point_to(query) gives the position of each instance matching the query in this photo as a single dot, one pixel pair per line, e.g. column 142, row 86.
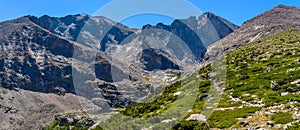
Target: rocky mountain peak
column 198, row 32
column 209, row 14
column 277, row 14
column 275, row 20
column 283, row 6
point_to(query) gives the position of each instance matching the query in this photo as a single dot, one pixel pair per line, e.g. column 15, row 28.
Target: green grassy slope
column 250, row 70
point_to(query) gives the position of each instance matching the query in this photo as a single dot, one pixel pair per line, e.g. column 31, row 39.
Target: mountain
column 261, row 83
column 196, row 33
column 106, row 35
column 98, row 27
column 51, row 65
column 266, row 24
column 33, row 58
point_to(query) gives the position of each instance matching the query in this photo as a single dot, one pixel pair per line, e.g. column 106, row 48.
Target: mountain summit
column 276, row 20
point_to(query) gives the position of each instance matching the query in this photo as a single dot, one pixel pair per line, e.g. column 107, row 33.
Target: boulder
column 296, row 82
column 296, row 116
column 281, row 106
column 197, row 117
column 203, row 96
column 278, row 126
column 85, row 122
column 65, row 121
column 244, row 123
column 274, row 86
column 273, row 111
column 177, row 93
column 284, row 93
column 291, row 90
column 270, row 123
column 268, row 70
column 60, row 91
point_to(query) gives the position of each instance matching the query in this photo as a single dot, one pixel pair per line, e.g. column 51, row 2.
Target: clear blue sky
column 236, row 11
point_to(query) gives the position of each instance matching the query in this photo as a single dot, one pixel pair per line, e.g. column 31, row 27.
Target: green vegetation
column 297, row 127
column 98, row 128
column 248, row 68
column 52, row 126
column 165, row 100
column 225, row 119
column 70, row 122
column 55, row 126
column 161, row 103
column 226, row 102
column 190, row 125
column 282, row 118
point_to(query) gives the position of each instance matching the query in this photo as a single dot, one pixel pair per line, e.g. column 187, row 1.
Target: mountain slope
column 269, row 23
column 262, row 85
column 70, row 27
column 35, row 56
column 36, row 66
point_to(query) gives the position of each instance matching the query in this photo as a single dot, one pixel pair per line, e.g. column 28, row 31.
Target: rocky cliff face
column 100, row 30
column 269, row 23
column 155, row 60
column 196, row 33
column 33, row 58
column 106, row 35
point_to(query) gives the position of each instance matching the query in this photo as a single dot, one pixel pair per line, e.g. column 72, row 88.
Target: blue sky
column 236, row 11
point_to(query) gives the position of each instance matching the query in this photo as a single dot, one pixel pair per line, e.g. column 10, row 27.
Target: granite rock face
column 156, row 61
column 34, row 59
column 196, row 33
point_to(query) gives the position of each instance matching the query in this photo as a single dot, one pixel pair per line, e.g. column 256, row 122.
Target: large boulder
column 274, row 86
column 197, row 117
column 296, row 82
